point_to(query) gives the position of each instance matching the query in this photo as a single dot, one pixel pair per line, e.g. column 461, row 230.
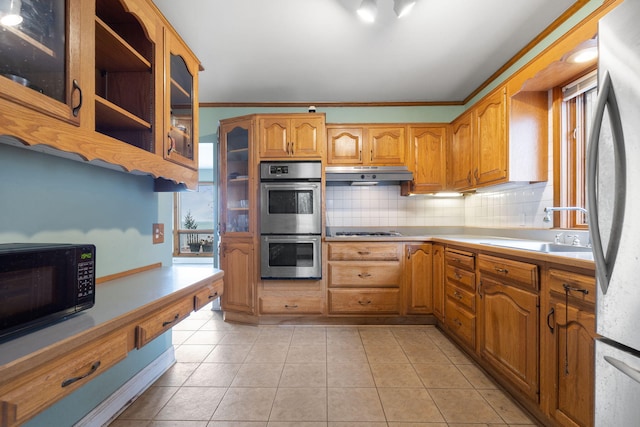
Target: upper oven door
column 290, row 208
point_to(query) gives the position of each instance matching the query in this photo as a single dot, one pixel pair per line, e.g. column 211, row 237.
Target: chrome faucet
column 550, row 209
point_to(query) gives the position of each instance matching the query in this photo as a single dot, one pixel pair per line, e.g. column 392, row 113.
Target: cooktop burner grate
column 367, row 233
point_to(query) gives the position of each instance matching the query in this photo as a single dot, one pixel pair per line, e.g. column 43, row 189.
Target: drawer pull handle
column 94, row 368
column 457, row 322
column 364, row 252
column 501, row 270
column 364, row 302
column 364, row 275
column 215, row 295
column 294, row 306
column 458, row 275
column 175, row 318
column 457, row 295
column 569, row 288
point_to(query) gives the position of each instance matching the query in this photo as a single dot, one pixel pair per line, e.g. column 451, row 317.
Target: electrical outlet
column 158, row 233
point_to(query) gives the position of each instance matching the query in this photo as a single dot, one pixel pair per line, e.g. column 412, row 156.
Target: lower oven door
column 290, row 257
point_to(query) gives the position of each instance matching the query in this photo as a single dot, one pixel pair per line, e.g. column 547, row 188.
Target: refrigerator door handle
column 605, row 262
column 632, row 373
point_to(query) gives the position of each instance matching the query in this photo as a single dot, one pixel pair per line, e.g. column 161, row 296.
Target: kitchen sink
column 545, row 247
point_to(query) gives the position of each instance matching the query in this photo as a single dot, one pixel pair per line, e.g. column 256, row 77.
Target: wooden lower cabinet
column 237, row 262
column 508, row 317
column 437, row 280
column 569, row 332
column 208, row 294
column 460, row 277
column 418, row 281
column 364, row 278
column 163, row 320
column 33, row 392
column 364, row 301
column 290, row 305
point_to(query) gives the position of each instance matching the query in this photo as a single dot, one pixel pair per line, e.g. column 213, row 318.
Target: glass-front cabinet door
column 180, row 141
column 40, row 55
column 235, row 177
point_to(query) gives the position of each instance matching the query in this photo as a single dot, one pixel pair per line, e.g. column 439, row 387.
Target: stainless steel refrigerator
column 613, row 194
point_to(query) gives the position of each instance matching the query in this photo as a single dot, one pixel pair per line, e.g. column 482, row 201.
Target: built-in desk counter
column 41, row 367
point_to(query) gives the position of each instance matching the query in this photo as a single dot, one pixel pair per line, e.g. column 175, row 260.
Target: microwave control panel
column 86, row 273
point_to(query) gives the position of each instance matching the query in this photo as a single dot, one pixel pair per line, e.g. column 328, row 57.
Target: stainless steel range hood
column 367, row 175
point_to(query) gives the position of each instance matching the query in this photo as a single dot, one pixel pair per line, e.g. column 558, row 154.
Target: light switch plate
column 158, row 233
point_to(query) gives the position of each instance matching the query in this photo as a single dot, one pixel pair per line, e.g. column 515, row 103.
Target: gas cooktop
column 367, row 233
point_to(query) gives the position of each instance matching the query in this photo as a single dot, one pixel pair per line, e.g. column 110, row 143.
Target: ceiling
column 319, row 51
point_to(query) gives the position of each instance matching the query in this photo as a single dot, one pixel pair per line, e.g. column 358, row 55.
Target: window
column 193, row 222
column 575, row 104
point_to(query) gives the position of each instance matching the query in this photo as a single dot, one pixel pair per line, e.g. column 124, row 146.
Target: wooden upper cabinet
column 491, row 138
column 181, row 104
column 287, row 136
column 386, row 146
column 460, row 153
column 344, row 145
column 378, row 145
column 83, row 74
column 41, row 60
column 503, row 138
column 428, row 158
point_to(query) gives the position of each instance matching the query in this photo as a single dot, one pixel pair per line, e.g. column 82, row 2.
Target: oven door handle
column 290, row 185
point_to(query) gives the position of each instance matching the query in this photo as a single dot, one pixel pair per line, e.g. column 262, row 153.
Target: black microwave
column 43, row 283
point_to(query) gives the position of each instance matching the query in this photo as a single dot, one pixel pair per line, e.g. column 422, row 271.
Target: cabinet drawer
column 577, row 284
column 364, row 251
column 460, row 259
column 461, row 322
column 208, row 294
column 162, row 321
column 371, row 301
column 23, row 398
column 514, row 272
column 291, row 305
column 385, row 274
column 461, row 277
column 462, row 297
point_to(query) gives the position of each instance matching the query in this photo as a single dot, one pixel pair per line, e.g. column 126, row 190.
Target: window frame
column 178, row 231
column 569, row 187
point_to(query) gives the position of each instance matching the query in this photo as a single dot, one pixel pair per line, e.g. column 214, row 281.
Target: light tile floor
column 231, row 375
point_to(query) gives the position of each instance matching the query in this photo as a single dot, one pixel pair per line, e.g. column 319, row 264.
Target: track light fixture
column 403, row 7
column 367, row 10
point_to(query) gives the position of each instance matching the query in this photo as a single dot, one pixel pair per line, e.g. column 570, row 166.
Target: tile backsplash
column 383, row 206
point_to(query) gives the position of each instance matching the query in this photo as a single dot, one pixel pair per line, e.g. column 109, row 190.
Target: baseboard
column 113, row 406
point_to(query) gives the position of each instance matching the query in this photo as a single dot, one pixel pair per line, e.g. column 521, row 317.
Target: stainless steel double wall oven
column 290, row 220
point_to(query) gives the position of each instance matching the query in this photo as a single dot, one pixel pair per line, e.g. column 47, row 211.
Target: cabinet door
column 418, row 270
column 274, row 137
column 344, row 145
column 509, row 333
column 307, row 137
column 490, row 138
column 461, row 153
column 40, row 59
column 386, row 146
column 437, row 281
column 181, row 139
column 237, row 261
column 571, row 332
column 428, row 162
column 236, row 198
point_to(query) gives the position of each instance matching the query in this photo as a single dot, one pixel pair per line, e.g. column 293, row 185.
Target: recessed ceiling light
column 367, row 10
